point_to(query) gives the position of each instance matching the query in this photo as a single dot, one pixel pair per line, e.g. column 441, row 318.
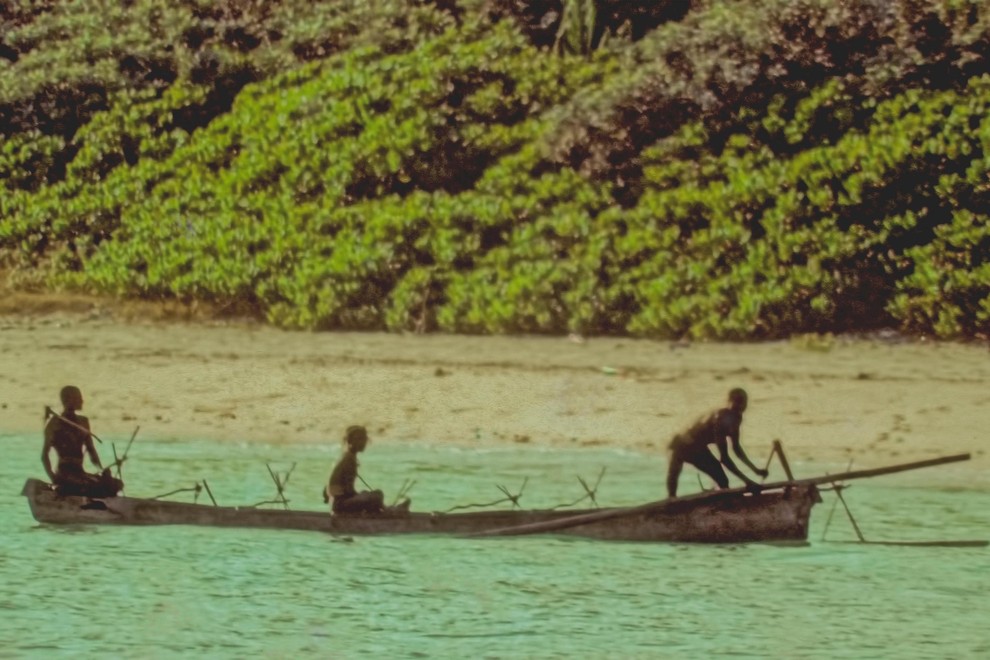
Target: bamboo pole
column 922, row 544
column 650, row 507
column 859, row 533
column 51, row 413
column 779, row 448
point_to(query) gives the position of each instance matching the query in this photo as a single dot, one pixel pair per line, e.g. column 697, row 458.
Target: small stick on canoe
column 778, row 448
column 859, row 532
column 279, row 487
column 119, row 462
column 509, row 496
column 608, row 514
column 209, row 492
column 590, row 492
column 406, row 487
column 835, row 502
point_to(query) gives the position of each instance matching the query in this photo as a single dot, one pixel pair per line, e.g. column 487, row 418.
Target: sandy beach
column 877, row 401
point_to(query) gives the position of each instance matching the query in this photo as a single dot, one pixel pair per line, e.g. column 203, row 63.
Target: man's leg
column 373, row 501
column 343, row 504
column 675, row 463
column 103, row 484
column 365, row 502
column 72, row 482
column 711, row 466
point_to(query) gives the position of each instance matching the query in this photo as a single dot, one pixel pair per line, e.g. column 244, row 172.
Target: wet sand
column 874, row 402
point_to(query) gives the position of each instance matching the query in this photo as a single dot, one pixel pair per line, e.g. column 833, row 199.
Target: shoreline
column 827, row 399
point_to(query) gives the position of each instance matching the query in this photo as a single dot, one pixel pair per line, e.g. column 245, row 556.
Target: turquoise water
column 184, row 591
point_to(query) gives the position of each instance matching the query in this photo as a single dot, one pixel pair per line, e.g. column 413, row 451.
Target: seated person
column 341, row 487
column 69, row 435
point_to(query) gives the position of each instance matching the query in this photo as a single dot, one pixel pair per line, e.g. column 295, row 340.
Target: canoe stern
column 769, row 517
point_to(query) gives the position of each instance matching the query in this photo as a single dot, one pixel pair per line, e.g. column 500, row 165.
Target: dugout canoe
column 720, row 517
column 780, row 513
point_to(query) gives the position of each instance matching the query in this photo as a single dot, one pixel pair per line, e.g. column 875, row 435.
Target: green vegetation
column 713, row 169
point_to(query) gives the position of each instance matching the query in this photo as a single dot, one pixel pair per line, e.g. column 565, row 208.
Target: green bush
column 728, row 170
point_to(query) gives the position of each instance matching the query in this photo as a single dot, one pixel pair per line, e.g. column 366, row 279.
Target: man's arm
column 46, row 448
column 90, row 447
column 732, row 423
column 723, row 449
column 737, row 447
column 342, row 477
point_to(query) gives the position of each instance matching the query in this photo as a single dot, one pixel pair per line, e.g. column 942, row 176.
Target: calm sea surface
column 186, row 591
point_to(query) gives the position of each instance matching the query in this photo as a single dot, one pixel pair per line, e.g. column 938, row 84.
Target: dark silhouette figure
column 341, row 489
column 70, row 436
column 717, row 428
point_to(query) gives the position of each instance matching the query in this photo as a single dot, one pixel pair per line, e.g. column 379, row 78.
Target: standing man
column 717, row 428
column 69, row 435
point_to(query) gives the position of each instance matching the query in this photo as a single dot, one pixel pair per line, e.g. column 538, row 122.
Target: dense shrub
column 726, row 170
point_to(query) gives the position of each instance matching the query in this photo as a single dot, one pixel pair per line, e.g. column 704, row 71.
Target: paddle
column 608, row 514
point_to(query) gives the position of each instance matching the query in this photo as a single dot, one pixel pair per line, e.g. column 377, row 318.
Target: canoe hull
column 779, row 516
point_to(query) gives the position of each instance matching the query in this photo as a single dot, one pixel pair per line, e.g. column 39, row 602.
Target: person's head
column 738, row 399
column 72, row 398
column 356, row 438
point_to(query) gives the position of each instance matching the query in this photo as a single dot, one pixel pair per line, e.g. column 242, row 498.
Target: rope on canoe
column 509, row 497
column 196, row 489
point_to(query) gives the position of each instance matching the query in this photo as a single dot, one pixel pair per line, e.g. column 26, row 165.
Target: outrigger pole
column 596, row 516
column 862, row 539
column 778, row 450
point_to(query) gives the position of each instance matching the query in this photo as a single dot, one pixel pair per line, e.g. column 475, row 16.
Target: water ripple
column 179, row 591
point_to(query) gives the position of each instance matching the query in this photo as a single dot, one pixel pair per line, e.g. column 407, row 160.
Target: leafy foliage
column 736, row 170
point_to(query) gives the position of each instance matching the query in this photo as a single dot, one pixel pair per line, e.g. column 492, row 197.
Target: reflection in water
column 169, row 591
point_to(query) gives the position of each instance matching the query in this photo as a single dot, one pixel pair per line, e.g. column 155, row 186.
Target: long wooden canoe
column 721, row 517
column 780, row 513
